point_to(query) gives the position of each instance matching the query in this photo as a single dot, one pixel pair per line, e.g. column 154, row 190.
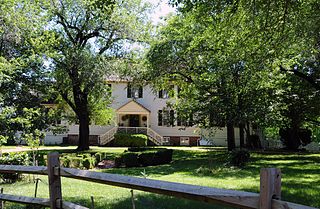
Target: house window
column 183, row 121
column 166, row 118
column 163, row 94
column 184, row 140
column 166, row 140
column 134, row 91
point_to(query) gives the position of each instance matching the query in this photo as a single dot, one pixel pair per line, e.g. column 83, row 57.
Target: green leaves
column 225, row 55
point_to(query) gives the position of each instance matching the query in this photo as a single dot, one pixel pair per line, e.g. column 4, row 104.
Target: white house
column 142, row 110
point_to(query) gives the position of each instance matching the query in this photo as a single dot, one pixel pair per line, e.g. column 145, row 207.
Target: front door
column 134, row 120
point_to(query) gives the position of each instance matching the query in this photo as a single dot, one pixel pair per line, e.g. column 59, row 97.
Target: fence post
column 270, row 187
column 54, row 180
column 1, row 202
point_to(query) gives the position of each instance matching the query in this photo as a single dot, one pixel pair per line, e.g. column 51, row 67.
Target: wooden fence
column 269, row 197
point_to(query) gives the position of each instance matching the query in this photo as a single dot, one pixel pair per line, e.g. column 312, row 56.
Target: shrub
column 145, row 158
column 238, row 158
column 130, row 159
column 130, row 140
column 75, row 162
column 118, row 161
column 98, row 156
column 19, row 158
column 87, row 163
column 164, row 156
column 65, row 161
column 41, row 158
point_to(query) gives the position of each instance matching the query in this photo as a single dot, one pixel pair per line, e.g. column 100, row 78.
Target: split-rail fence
column 269, row 197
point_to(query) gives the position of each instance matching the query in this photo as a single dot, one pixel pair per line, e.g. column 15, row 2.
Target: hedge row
column 82, row 161
column 130, row 140
column 144, row 158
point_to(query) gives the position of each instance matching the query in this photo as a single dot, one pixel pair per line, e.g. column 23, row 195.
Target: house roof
column 132, row 107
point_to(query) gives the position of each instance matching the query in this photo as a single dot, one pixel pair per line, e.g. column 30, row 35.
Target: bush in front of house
column 164, row 156
column 82, row 161
column 148, row 157
column 130, row 140
column 99, row 156
column 130, row 159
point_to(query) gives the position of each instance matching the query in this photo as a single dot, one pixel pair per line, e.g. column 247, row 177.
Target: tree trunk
column 230, row 136
column 248, row 133
column 81, row 101
column 241, row 133
column 83, row 131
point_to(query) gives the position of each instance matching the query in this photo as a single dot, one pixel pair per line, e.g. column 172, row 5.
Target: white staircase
column 109, row 135
column 154, row 137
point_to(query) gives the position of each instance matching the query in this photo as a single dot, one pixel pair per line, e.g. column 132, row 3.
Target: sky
column 163, row 9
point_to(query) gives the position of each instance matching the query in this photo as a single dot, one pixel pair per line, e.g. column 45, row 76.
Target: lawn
column 300, row 180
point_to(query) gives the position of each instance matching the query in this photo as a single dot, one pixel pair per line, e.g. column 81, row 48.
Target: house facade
column 143, row 110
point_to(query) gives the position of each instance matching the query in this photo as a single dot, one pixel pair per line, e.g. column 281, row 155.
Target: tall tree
column 230, row 51
column 88, row 33
column 208, row 56
column 24, row 81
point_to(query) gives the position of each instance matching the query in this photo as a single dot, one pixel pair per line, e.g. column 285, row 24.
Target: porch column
column 148, row 125
column 118, row 119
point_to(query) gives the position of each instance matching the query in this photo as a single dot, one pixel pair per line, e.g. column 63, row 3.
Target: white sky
column 162, row 9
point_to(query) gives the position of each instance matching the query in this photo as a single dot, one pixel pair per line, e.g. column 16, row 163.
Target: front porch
column 132, row 118
column 132, row 114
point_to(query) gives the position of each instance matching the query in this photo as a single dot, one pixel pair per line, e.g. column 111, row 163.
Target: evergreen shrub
column 130, row 140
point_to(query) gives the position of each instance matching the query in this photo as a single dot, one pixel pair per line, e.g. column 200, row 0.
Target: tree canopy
column 226, row 57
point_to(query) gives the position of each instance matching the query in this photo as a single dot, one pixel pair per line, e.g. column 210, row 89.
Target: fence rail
column 269, row 197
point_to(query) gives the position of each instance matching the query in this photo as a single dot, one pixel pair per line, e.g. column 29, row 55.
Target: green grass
column 300, row 180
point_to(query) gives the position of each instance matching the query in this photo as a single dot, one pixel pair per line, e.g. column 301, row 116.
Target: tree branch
column 301, row 75
column 108, row 44
column 65, row 27
column 66, row 98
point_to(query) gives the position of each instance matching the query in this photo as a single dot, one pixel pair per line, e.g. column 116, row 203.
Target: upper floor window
column 163, row 94
column 166, row 93
column 134, row 91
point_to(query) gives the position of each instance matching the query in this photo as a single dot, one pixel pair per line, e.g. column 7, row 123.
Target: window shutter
column 191, row 120
column 140, row 92
column 129, row 95
column 178, row 119
column 160, row 94
column 160, row 118
column 172, row 117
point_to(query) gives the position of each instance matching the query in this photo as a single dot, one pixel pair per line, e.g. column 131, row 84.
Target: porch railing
column 108, row 136
column 132, row 130
column 154, row 137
